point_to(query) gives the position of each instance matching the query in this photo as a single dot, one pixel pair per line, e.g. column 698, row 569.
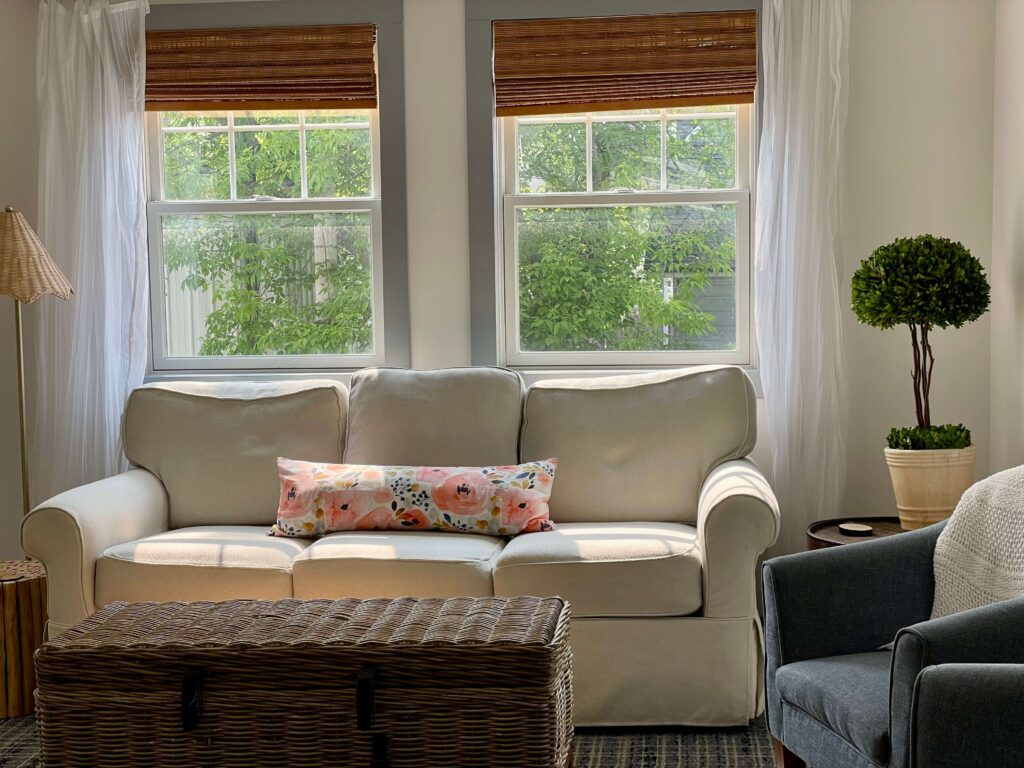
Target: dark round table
column 825, row 533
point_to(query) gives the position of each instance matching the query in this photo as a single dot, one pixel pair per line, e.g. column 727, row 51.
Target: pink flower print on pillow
column 499, row 501
column 524, row 510
column 344, row 508
column 464, row 493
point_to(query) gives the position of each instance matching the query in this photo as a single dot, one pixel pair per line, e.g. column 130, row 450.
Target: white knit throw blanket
column 979, row 557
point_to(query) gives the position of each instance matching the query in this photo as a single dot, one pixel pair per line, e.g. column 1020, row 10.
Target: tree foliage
column 923, row 282
column 623, row 278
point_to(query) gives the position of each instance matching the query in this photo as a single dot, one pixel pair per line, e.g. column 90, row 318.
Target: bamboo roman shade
column 543, row 66
column 326, row 67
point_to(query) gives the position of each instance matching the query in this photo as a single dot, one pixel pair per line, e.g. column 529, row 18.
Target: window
column 626, row 236
column 267, row 217
column 265, row 238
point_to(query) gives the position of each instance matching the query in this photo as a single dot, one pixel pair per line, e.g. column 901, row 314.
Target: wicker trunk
column 384, row 683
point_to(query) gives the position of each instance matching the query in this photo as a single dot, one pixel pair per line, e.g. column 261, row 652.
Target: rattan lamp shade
column 26, row 269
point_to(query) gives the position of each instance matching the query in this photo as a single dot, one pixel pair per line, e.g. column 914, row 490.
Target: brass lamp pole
column 26, row 273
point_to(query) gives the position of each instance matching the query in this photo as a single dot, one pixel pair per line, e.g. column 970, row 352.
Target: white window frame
column 741, row 196
column 157, row 207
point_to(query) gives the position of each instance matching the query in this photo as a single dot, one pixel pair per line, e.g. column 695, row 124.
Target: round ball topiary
column 923, row 282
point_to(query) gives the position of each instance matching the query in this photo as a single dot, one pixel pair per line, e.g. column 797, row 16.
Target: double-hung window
column 265, row 224
column 625, row 175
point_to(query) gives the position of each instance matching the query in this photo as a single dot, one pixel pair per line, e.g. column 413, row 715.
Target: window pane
column 268, row 284
column 267, row 164
column 552, row 157
column 338, row 162
column 337, row 116
column 627, row 155
column 196, row 166
column 193, row 119
column 641, row 278
column 700, row 154
column 267, row 117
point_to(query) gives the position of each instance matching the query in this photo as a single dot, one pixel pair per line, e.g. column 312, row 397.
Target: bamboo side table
column 23, row 612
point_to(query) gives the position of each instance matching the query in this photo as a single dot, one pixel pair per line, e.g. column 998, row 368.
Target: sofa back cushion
column 446, row 418
column 638, row 447
column 215, row 445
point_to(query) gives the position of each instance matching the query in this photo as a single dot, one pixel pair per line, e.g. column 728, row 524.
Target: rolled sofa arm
column 968, row 716
column 737, row 520
column 69, row 532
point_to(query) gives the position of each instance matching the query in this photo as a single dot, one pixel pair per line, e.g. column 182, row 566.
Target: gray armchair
column 950, row 693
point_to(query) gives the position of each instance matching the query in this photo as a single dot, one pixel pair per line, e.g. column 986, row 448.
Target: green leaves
column 280, row 284
column 622, row 278
column 923, row 280
column 929, row 438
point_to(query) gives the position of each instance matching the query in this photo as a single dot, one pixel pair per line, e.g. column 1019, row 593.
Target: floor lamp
column 26, row 273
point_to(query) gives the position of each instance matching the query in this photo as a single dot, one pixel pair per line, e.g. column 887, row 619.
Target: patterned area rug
column 679, row 748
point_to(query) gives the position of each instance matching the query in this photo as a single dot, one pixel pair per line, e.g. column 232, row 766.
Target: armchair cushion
column 847, row 694
column 607, row 569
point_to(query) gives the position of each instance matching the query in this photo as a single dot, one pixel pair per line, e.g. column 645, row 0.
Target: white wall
column 19, row 145
column 437, row 181
column 918, row 159
column 1007, row 347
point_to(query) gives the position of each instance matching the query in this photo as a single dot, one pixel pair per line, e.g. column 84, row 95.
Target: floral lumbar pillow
column 500, row 501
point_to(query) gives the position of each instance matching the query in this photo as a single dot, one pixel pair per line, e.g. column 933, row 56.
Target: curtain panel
column 798, row 307
column 88, row 353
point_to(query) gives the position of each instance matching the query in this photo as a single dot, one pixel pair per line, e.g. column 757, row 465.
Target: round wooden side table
column 23, row 612
column 826, row 533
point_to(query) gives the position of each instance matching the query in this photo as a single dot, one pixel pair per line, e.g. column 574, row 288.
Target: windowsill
column 530, row 375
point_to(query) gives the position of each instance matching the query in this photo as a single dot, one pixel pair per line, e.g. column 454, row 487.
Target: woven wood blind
column 542, row 66
column 326, row 67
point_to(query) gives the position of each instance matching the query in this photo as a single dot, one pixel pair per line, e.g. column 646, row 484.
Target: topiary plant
column 923, row 282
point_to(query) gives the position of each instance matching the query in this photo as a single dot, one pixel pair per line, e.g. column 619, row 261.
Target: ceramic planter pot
column 928, row 484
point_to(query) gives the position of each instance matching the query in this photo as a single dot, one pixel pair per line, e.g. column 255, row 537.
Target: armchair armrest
column 991, row 634
column 968, row 716
column 840, row 600
column 737, row 520
column 69, row 532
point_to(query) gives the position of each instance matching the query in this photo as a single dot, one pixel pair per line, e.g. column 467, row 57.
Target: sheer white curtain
column 804, row 91
column 89, row 352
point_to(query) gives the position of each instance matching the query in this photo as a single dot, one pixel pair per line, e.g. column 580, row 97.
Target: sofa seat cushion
column 368, row 564
column 607, row 569
column 217, row 562
column 849, row 695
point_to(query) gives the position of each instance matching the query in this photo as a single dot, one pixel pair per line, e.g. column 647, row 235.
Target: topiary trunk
column 924, row 362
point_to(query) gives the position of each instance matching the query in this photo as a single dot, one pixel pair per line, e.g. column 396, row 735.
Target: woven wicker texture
column 26, row 269
column 624, row 62
column 262, row 68
column 460, row 682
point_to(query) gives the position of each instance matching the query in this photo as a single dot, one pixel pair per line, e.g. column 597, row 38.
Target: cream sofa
column 660, row 517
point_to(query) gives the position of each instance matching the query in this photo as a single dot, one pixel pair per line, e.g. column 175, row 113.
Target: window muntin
column 627, row 237
column 264, row 235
